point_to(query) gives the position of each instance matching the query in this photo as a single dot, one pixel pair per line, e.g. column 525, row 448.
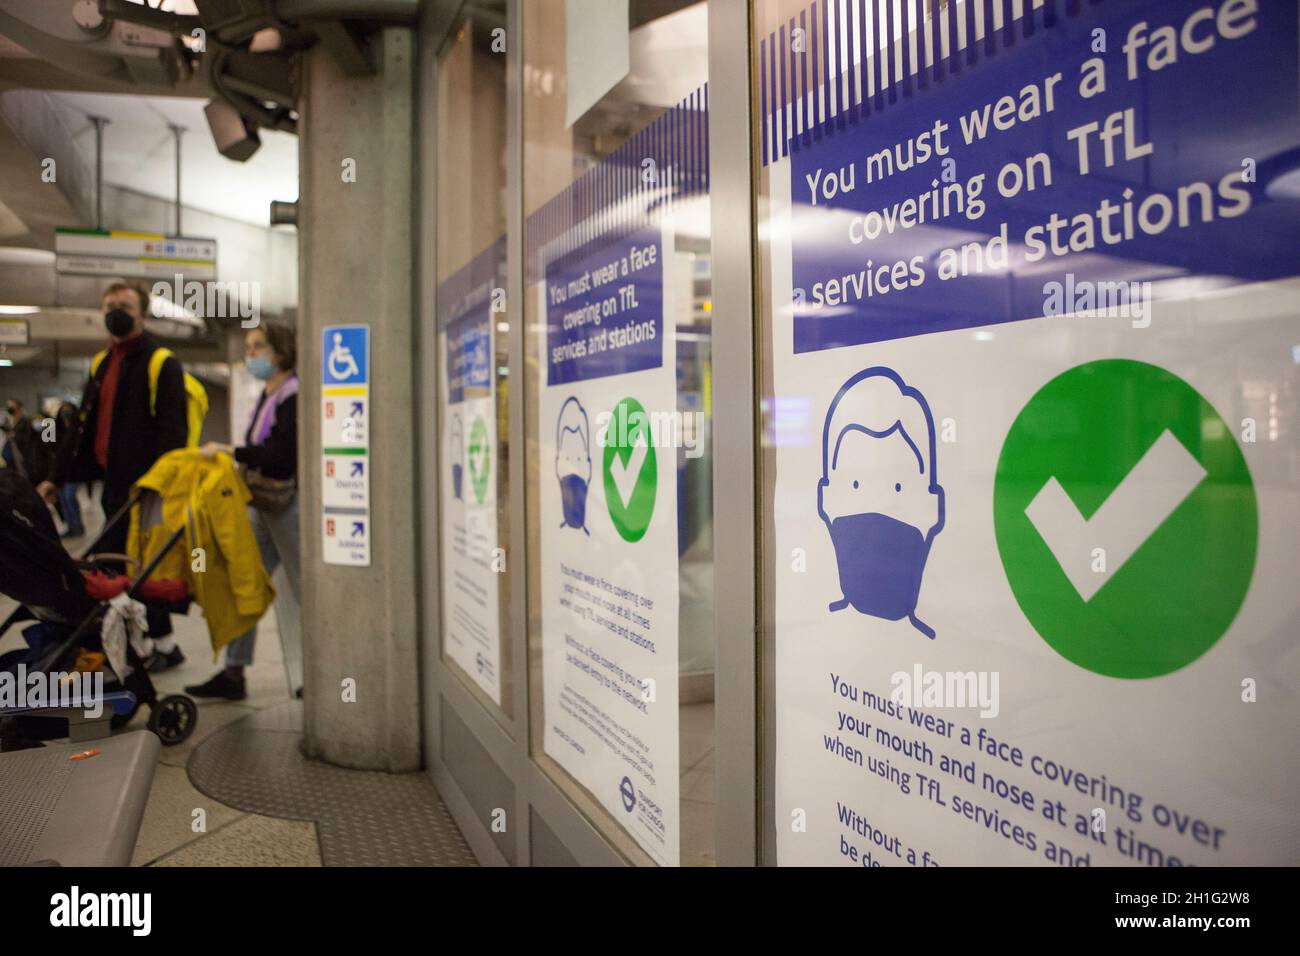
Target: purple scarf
column 265, row 419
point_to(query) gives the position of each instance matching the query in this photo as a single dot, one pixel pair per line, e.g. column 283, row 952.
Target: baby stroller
column 67, row 598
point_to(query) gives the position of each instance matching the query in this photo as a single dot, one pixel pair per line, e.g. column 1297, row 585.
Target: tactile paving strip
column 364, row 818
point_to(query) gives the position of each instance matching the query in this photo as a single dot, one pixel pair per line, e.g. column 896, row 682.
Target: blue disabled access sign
column 345, row 351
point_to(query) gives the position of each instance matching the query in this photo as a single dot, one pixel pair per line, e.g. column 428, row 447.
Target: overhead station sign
column 133, row 255
column 14, row 332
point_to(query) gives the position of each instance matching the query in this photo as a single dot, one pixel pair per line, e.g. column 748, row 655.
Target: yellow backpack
column 196, row 398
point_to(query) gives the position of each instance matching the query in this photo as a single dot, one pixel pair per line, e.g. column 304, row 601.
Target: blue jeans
column 69, row 507
column 277, row 541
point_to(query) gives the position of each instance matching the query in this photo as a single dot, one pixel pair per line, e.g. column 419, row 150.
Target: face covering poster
column 609, row 530
column 1036, row 461
column 472, row 557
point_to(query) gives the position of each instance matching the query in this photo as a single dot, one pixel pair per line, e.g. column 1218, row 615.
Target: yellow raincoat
column 217, row 555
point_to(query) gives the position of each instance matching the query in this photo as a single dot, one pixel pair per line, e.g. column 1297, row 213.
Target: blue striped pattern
column 470, row 286
column 615, row 197
column 814, row 80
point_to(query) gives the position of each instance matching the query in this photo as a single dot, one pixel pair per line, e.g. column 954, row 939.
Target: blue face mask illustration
column 881, row 561
column 573, row 495
column 456, row 453
column 878, row 494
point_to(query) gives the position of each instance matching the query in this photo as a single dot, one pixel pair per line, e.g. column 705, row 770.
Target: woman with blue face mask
column 269, row 459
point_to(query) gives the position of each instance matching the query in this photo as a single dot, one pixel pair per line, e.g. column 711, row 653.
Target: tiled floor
column 252, row 840
column 695, row 735
column 170, row 834
column 362, row 818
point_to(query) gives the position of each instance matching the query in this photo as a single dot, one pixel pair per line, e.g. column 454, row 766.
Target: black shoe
column 221, row 687
column 158, row 661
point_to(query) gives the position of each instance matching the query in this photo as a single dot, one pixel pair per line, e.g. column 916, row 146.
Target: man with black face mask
column 124, row 429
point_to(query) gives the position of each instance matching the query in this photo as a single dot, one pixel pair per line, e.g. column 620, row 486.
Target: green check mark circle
column 479, row 455
column 630, row 470
column 1123, row 469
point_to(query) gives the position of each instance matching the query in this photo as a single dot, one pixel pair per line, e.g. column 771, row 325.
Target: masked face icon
column 573, row 463
column 573, row 494
column 879, row 496
column 880, row 563
column 457, row 458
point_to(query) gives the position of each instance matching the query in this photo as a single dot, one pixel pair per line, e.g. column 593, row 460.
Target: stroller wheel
column 173, row 719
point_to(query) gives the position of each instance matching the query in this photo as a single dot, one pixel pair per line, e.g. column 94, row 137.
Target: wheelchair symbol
column 342, row 364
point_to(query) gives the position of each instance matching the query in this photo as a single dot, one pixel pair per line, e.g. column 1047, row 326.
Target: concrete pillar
column 356, row 266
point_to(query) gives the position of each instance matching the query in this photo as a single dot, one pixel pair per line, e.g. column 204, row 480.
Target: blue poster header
column 469, row 357
column 605, row 309
column 1121, row 145
column 469, row 302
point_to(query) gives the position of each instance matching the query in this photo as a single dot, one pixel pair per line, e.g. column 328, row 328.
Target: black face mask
column 118, row 323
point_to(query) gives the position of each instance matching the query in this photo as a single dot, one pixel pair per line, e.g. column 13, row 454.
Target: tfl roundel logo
column 628, row 793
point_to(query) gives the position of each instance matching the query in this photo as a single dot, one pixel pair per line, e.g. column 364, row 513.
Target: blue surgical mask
column 880, row 561
column 260, row 367
column 573, row 494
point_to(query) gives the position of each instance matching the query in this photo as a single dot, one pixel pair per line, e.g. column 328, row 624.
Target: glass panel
column 473, row 335
column 1030, row 413
column 617, row 307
